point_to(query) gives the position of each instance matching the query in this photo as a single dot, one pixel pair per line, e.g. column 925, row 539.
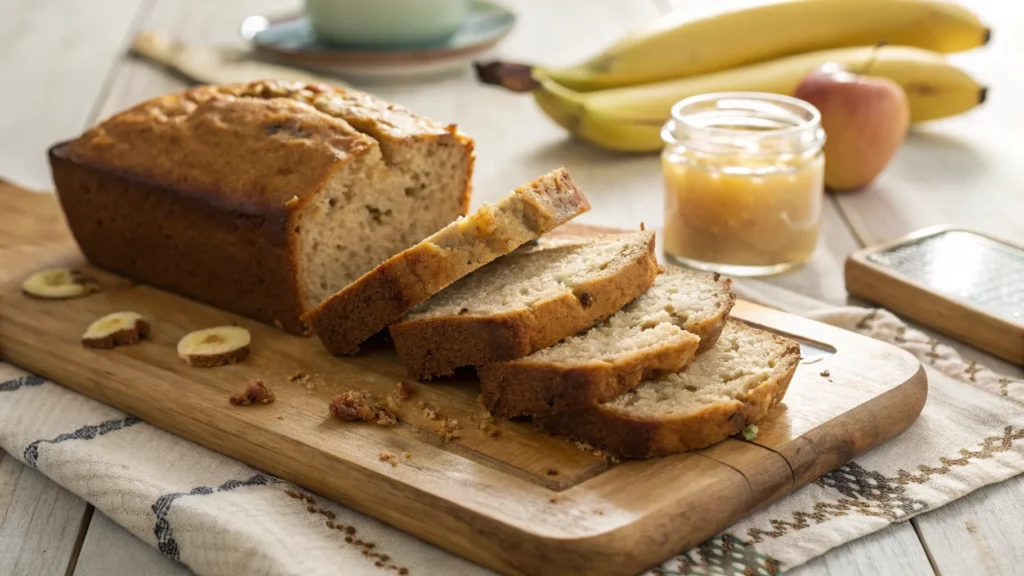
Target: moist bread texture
column 654, row 335
column 722, row 392
column 525, row 301
column 262, row 198
column 380, row 297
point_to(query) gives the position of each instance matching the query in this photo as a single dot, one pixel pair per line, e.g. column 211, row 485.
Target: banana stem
column 509, row 75
column 873, row 57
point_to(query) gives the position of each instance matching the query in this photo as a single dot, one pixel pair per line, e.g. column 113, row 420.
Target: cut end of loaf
column 386, row 206
column 381, row 296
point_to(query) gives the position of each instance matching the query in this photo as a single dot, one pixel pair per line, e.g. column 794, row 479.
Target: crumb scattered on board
column 402, row 391
column 360, row 405
column 611, row 459
column 485, row 422
column 352, row 406
column 448, row 428
column 389, row 457
column 256, row 392
column 825, row 373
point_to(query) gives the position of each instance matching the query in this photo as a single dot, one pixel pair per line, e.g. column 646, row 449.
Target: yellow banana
column 674, row 47
column 631, row 118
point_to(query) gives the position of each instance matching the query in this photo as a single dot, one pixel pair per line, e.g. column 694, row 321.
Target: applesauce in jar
column 744, row 182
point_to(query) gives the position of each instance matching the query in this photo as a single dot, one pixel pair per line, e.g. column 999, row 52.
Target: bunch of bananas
column 620, row 98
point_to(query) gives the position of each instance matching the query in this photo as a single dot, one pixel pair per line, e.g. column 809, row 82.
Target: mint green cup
column 385, row 23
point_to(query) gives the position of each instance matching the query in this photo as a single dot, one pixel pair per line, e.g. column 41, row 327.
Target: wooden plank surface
column 40, row 522
column 868, row 403
column 55, row 56
column 110, row 550
column 979, row 534
column 892, row 550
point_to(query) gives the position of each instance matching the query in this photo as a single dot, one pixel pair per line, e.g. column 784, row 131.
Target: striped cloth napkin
column 221, row 517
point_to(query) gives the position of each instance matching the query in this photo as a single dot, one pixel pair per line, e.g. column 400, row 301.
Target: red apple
column 865, row 119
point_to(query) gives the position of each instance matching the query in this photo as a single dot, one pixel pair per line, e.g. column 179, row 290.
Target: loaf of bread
column 262, row 198
column 654, row 335
column 381, row 296
column 724, row 390
column 525, row 301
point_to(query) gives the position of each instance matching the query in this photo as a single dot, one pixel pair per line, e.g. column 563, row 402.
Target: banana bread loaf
column 262, row 198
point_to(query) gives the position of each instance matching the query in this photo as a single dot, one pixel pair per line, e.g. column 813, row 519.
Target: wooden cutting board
column 520, row 502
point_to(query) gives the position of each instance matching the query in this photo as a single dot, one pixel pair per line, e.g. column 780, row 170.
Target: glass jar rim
column 804, row 128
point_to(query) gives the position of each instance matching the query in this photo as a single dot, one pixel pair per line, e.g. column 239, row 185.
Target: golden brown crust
column 632, row 437
column 539, row 389
column 383, row 295
column 435, row 345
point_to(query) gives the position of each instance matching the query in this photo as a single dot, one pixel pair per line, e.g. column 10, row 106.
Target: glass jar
column 744, row 181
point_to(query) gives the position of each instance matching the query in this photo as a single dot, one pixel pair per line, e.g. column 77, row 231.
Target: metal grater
column 964, row 266
column 962, row 283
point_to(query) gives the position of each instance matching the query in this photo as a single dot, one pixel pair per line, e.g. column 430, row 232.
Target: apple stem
column 874, row 56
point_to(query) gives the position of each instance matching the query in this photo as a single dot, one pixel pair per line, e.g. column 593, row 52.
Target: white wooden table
column 63, row 65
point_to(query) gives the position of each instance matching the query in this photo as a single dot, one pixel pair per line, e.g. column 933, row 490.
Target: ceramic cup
column 385, row 23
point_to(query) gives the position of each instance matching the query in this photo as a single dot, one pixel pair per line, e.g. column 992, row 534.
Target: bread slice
column 656, row 334
column 722, row 392
column 384, row 294
column 525, row 301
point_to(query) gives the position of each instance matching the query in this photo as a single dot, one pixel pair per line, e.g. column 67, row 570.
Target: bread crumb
column 429, row 414
column 351, row 406
column 402, row 391
column 825, row 373
column 608, row 458
column 389, row 457
column 256, row 392
column 448, row 429
column 486, row 425
column 553, row 500
column 279, row 417
column 386, row 418
column 552, row 472
column 716, row 276
column 408, row 455
column 298, row 376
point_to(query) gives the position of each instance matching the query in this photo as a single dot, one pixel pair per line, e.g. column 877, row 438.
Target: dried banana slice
column 117, row 329
column 59, row 284
column 215, row 346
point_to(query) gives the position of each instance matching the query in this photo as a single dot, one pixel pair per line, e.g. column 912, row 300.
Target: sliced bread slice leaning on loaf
column 722, row 392
column 525, row 301
column 384, row 294
column 656, row 334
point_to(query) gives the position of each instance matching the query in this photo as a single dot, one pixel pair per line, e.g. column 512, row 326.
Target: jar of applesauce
column 744, row 182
